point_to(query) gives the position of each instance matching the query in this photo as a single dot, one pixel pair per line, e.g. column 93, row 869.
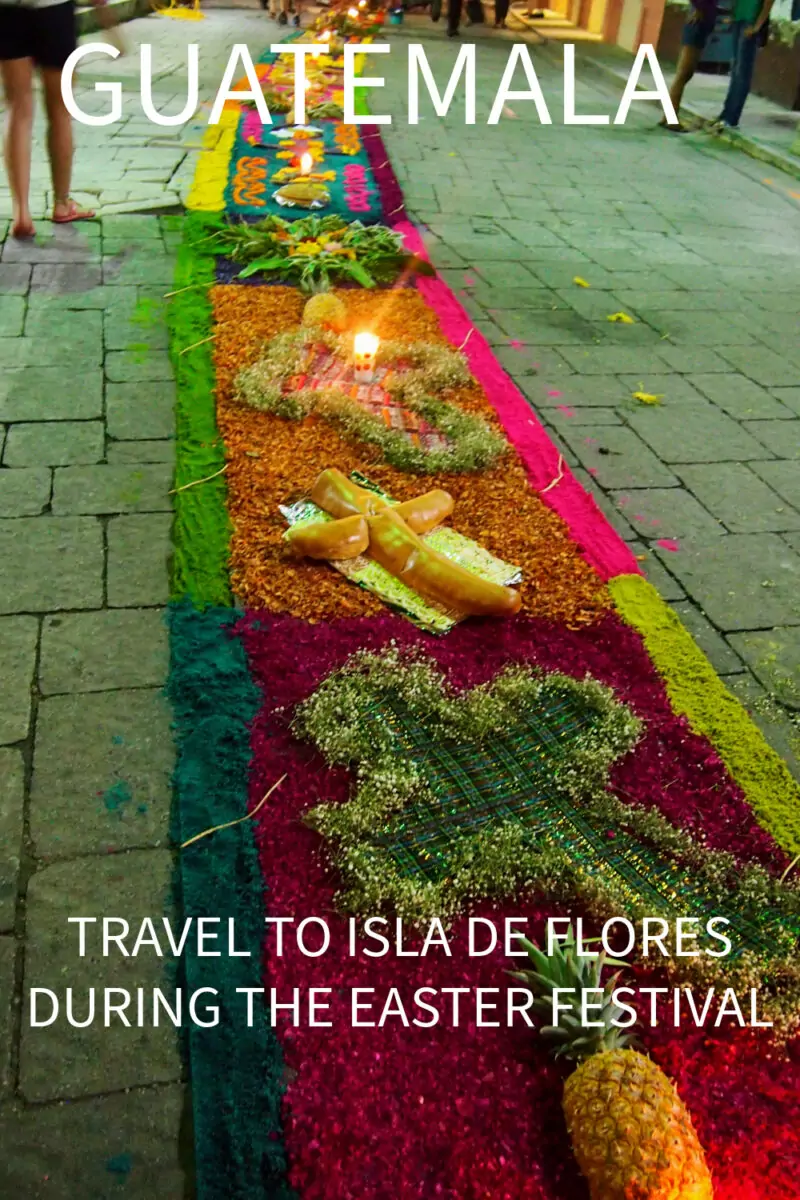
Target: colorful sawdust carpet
column 630, row 776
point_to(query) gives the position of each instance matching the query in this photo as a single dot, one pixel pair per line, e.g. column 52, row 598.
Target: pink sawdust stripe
column 600, row 544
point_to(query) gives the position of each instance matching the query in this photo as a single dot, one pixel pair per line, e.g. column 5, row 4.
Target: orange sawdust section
column 273, row 461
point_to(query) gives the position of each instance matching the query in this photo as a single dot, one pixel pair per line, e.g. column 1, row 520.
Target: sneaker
column 282, row 18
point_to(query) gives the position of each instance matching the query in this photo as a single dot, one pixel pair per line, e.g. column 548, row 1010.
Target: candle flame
column 366, row 344
column 352, row 12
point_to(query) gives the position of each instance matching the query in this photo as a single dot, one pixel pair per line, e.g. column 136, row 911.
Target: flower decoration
column 298, row 375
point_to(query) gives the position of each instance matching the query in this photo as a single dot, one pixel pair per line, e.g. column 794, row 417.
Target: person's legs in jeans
column 18, row 88
column 500, row 13
column 742, row 65
column 453, row 16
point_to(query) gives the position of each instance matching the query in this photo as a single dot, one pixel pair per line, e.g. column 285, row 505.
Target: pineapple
column 631, row 1133
column 325, row 309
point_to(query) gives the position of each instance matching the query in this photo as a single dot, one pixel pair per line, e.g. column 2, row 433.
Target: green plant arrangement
column 625, row 1145
column 473, row 446
column 316, row 251
column 503, row 790
column 277, row 102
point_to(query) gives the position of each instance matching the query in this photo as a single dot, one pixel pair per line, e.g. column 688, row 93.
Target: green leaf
column 361, row 275
column 263, row 264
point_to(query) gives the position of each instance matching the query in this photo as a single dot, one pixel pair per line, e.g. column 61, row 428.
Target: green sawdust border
column 697, row 692
column 237, row 1074
column 202, row 527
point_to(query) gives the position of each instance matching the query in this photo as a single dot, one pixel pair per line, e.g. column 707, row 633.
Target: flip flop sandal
column 74, row 214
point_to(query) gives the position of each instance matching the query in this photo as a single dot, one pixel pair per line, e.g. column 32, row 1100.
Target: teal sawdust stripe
column 236, row 1072
column 201, row 531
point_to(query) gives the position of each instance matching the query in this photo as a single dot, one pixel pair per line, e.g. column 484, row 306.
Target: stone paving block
column 50, row 394
column 139, row 549
column 672, row 388
column 84, row 326
column 702, row 328
column 665, row 513
column 742, row 581
column 8, row 950
column 18, row 640
column 65, row 279
column 156, row 451
column 782, row 438
column 12, row 313
column 114, row 488
column 567, row 416
column 524, row 360
column 147, row 268
column 51, row 251
column 763, row 366
column 65, row 353
column 740, row 398
column 703, row 434
column 716, row 649
column 124, row 366
column 788, row 397
column 50, row 564
column 546, row 328
column 69, row 1151
column 694, row 360
column 101, row 773
column 97, row 651
column 617, row 457
column 739, row 498
column 614, row 360
column 579, row 391
column 54, row 443
column 12, row 806
column 783, row 477
column 601, row 499
column 24, row 492
column 14, row 278
column 505, row 274
column 774, row 658
column 59, row 1060
column 135, row 412
column 656, row 573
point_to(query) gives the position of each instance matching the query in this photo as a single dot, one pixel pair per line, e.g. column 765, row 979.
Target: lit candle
column 352, row 13
column 365, row 348
column 306, row 163
column 326, row 36
column 362, row 3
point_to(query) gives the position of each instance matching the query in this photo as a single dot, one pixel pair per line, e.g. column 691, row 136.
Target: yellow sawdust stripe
column 207, row 193
column 696, row 692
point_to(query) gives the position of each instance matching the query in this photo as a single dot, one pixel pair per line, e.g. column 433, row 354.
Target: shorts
column 47, row 35
column 697, row 30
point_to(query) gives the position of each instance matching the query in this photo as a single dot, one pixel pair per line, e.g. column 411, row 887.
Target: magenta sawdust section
column 468, row 1111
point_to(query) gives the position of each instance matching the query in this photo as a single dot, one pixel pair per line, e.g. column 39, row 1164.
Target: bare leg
column 60, row 149
column 18, row 87
column 687, row 65
column 59, row 139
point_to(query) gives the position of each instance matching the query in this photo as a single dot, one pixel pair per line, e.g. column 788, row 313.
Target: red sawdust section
column 272, row 460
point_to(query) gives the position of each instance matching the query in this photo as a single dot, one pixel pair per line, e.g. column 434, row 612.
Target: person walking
column 500, row 13
column 37, row 35
column 750, row 31
column 453, row 17
column 697, row 29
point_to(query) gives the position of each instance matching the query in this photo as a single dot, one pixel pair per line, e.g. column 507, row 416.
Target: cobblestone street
column 696, row 242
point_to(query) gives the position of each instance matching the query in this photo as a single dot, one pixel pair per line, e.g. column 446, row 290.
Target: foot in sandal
column 68, row 211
